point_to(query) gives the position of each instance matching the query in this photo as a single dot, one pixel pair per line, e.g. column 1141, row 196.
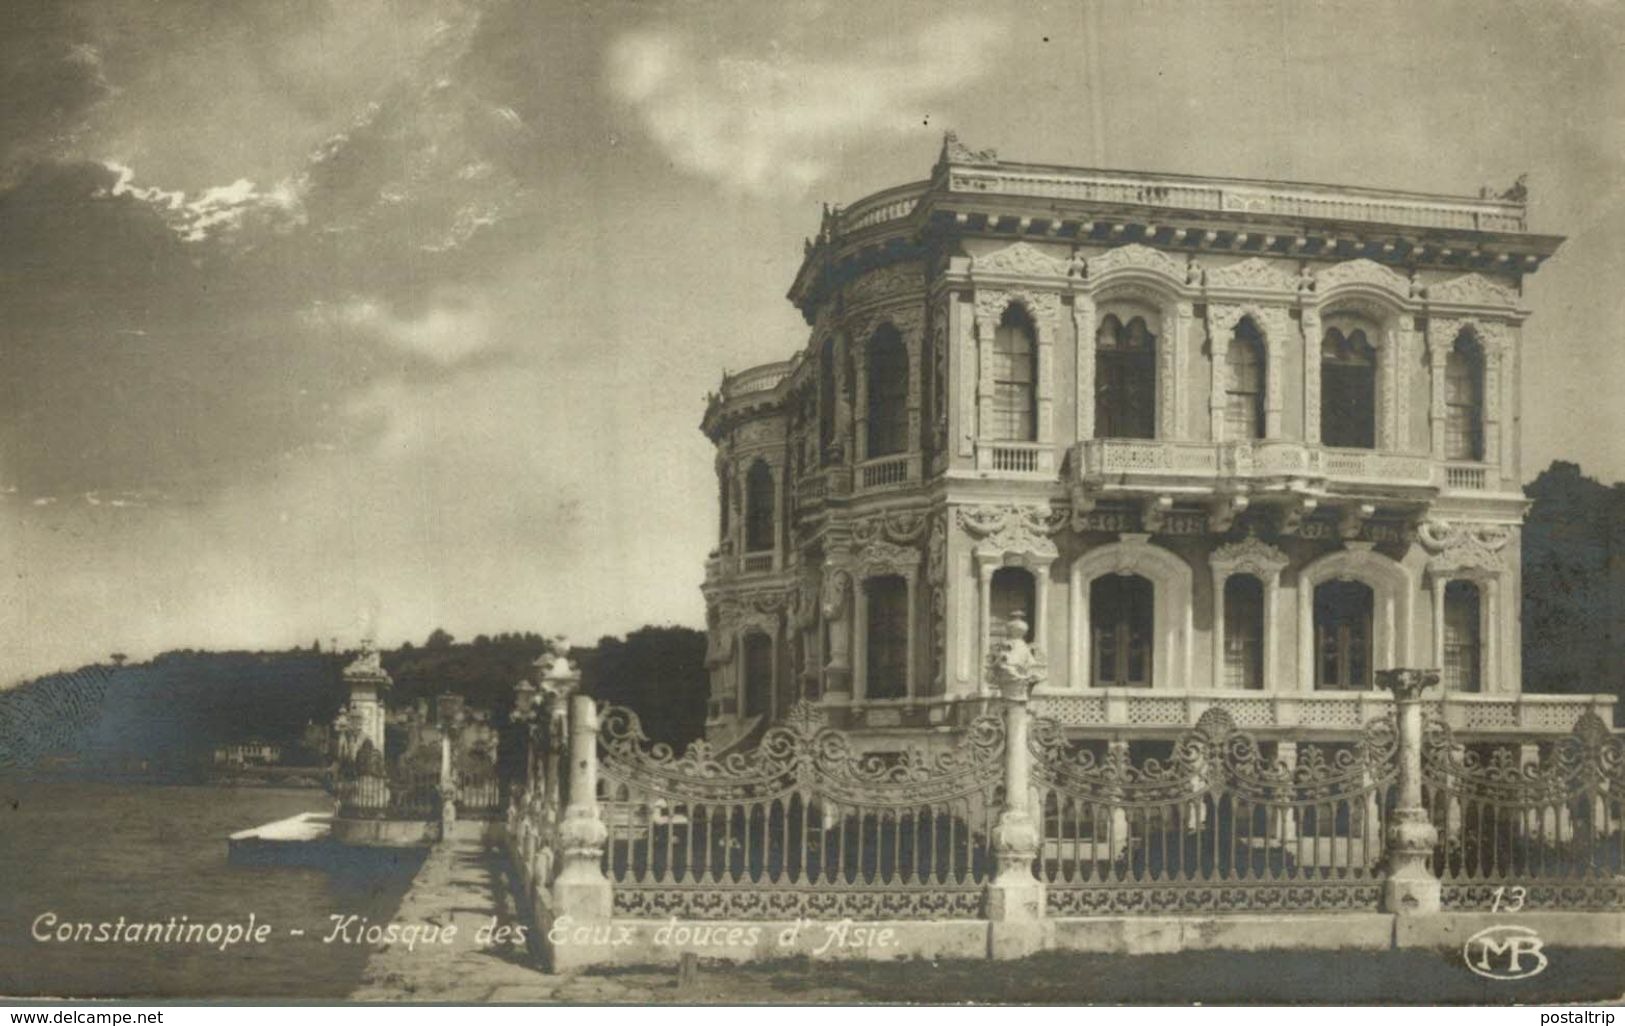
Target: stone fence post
column 581, row 891
column 1410, row 887
column 1015, row 897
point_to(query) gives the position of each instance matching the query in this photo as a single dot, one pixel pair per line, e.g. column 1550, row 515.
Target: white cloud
column 768, row 124
column 217, row 209
column 452, row 328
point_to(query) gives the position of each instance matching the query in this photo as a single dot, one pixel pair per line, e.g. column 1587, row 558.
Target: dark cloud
column 178, row 341
column 50, row 76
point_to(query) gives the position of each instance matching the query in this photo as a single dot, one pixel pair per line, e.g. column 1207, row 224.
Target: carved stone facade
column 1124, row 541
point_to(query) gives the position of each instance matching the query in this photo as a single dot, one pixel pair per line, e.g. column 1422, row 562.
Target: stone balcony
column 1145, row 711
column 1131, row 466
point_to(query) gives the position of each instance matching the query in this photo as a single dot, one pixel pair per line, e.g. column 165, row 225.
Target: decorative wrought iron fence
column 479, row 786
column 1215, row 826
column 1528, row 826
column 802, row 824
column 366, row 786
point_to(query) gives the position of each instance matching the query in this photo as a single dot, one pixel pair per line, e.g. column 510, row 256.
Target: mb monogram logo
column 1505, row 953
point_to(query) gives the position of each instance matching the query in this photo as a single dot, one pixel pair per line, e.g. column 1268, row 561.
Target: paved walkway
column 465, row 884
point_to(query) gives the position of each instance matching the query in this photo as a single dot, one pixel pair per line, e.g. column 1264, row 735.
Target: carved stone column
column 1083, row 325
column 1311, row 376
column 835, row 600
column 1015, row 897
column 1410, row 887
column 581, row 891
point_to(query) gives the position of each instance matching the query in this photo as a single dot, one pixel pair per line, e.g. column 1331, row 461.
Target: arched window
column 886, row 642
column 759, row 516
column 888, row 393
column 1343, row 613
column 1243, row 632
column 1348, row 390
column 1012, row 591
column 1121, row 626
column 826, row 397
column 1462, row 643
column 724, row 500
column 1125, row 379
column 1244, row 384
column 758, row 674
column 1463, row 401
column 1015, row 376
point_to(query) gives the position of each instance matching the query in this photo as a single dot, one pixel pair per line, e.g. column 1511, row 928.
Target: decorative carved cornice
column 1459, row 549
column 1044, row 307
column 1135, row 256
column 1020, row 258
column 1018, row 530
column 1252, row 273
column 885, row 283
column 902, row 526
column 881, row 558
column 1251, row 555
column 1472, row 289
column 1362, row 272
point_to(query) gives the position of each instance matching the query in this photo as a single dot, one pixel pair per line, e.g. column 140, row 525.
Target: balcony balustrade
column 1460, row 477
column 1015, row 457
column 1331, row 711
column 885, row 472
column 1154, row 463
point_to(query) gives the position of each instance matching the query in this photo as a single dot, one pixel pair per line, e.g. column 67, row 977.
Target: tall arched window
column 1125, row 379
column 1462, row 643
column 886, row 642
column 759, row 502
column 1463, row 401
column 724, row 499
column 826, row 397
column 1121, row 625
column 1015, row 377
column 1244, row 384
column 1243, row 631
column 758, row 674
column 1343, row 613
column 1348, row 390
column 1012, row 591
column 888, row 393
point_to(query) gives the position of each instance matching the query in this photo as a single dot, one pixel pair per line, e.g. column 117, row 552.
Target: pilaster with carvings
column 1083, row 327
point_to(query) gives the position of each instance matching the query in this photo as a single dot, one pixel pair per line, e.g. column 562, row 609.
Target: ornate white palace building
column 1225, row 443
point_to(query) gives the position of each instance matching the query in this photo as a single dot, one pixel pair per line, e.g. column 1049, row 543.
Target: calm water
column 94, row 852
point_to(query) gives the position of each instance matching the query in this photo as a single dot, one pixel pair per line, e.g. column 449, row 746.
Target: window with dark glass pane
column 759, row 501
column 1348, row 390
column 1463, row 403
column 888, row 393
column 1243, row 632
column 887, row 642
column 1462, row 644
column 1013, row 592
column 1343, row 615
column 758, row 674
column 1015, row 374
column 1244, row 396
column 1120, row 623
column 1125, row 379
column 826, row 397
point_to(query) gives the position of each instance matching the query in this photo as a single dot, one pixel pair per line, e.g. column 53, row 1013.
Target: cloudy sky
column 328, row 316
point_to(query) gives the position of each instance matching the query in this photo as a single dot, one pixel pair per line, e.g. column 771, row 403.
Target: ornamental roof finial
column 956, row 152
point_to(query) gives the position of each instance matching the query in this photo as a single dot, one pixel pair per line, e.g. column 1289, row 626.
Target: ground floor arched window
column 886, row 641
column 758, row 674
column 1463, row 644
column 1343, row 647
column 1243, row 632
column 1121, row 630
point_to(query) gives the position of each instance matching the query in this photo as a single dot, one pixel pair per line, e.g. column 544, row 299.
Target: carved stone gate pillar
column 581, row 891
column 1410, row 887
column 1015, row 897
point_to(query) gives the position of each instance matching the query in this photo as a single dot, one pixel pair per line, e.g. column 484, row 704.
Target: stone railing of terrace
column 764, row 378
column 1298, row 710
column 1293, row 200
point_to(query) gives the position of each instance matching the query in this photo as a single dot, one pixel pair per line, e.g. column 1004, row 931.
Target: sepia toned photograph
column 1069, row 502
